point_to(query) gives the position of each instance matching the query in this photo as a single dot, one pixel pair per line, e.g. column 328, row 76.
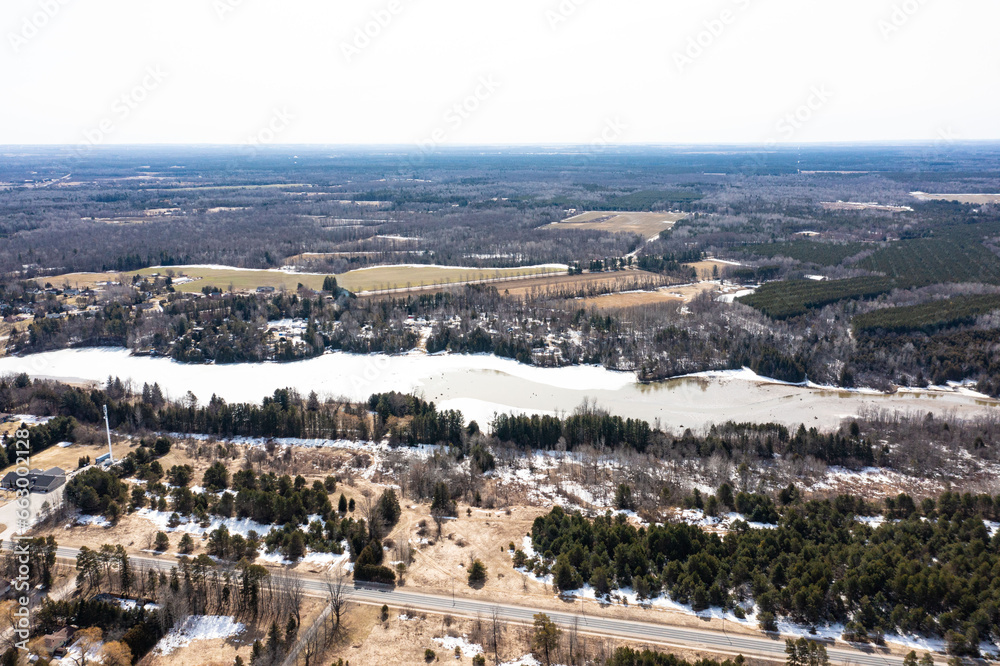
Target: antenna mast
column 108, row 427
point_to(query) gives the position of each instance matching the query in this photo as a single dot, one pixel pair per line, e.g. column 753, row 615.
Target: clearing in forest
column 647, row 225
column 960, row 198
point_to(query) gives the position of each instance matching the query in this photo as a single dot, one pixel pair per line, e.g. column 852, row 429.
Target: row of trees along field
column 408, row 420
column 931, row 568
column 599, row 429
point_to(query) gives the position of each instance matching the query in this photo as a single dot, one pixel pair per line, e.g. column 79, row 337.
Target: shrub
column 162, row 446
column 767, row 621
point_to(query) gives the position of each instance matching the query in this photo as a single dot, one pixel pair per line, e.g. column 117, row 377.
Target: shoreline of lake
column 482, row 384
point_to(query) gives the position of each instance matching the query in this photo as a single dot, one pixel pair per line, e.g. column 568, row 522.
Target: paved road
column 590, row 623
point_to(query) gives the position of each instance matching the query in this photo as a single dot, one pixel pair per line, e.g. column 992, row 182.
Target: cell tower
column 111, row 454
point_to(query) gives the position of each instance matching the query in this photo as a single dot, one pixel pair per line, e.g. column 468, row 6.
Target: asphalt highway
column 590, row 623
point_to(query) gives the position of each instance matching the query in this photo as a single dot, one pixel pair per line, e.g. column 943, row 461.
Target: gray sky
column 441, row 72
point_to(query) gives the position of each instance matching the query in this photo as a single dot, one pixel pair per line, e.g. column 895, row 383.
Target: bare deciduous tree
column 497, row 627
column 337, row 592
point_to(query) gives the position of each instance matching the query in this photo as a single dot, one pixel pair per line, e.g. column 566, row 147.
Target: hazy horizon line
column 466, row 146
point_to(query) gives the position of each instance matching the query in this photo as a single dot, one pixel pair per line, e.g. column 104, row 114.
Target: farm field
column 953, row 258
column 705, row 268
column 366, row 279
column 790, row 298
column 960, row 198
column 957, row 255
column 647, row 225
column 928, row 317
column 683, row 294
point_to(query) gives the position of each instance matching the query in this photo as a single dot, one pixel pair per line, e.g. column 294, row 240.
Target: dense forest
column 930, row 568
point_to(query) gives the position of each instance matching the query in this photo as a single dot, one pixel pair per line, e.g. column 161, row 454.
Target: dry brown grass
column 681, row 294
column 647, row 225
column 704, row 268
column 368, row 640
column 381, row 277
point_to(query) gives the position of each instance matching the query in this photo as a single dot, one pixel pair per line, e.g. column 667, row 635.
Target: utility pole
column 108, row 428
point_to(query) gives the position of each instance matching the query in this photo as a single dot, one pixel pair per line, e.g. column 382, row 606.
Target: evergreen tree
column 477, row 573
column 545, row 639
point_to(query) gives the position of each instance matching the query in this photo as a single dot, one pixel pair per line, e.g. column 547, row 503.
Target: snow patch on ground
column 725, row 522
column 729, row 298
column 260, row 442
column 95, row 521
column 872, row 521
column 30, row 419
column 126, row 604
column 241, row 526
column 838, row 476
column 74, row 654
column 451, row 642
column 526, row 660
column 197, row 628
column 329, row 560
column 527, row 547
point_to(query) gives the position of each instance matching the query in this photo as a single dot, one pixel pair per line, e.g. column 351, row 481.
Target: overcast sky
column 518, row 71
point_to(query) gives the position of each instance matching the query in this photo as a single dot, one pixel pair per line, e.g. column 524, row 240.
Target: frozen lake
column 481, row 385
